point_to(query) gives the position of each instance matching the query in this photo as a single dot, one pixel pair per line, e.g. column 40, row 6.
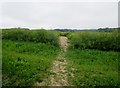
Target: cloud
column 59, row 14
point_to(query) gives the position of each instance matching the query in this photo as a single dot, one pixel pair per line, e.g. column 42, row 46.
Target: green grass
column 24, row 63
column 92, row 67
column 93, row 58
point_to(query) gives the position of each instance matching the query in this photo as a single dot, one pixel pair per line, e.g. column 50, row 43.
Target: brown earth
column 63, row 43
column 59, row 76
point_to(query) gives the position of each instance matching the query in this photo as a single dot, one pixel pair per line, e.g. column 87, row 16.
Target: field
column 87, row 58
column 93, row 67
column 26, row 62
column 93, row 58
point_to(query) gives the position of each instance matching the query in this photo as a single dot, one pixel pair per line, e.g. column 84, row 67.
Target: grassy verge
column 92, row 67
column 24, row 63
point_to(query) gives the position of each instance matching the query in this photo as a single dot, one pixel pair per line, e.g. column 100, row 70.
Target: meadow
column 93, row 58
column 27, row 56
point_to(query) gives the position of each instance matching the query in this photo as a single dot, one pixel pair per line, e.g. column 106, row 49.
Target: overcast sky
column 79, row 15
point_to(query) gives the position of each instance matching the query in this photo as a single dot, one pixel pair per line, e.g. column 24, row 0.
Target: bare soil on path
column 63, row 43
column 59, row 72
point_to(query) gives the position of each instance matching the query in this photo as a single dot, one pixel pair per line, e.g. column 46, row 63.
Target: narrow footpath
column 59, row 72
column 58, row 76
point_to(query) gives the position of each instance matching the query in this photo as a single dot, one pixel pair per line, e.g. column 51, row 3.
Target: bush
column 38, row 36
column 95, row 40
column 64, row 33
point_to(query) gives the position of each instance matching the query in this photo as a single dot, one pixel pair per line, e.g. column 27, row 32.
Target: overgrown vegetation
column 38, row 36
column 95, row 40
column 64, row 34
column 27, row 56
column 93, row 58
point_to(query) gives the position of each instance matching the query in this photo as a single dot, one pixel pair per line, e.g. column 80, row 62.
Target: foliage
column 95, row 40
column 39, row 36
column 64, row 33
column 93, row 58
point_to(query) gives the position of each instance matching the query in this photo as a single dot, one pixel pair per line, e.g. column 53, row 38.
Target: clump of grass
column 95, row 40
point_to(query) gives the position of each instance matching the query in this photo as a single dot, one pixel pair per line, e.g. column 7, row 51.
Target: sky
column 51, row 15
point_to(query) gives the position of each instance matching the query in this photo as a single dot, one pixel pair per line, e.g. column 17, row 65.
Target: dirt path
column 59, row 72
column 63, row 43
column 58, row 76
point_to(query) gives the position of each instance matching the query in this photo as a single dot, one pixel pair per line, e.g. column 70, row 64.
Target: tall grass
column 38, row 36
column 95, row 40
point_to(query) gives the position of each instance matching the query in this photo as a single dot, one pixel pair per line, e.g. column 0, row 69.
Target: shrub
column 95, row 40
column 38, row 36
column 64, row 33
